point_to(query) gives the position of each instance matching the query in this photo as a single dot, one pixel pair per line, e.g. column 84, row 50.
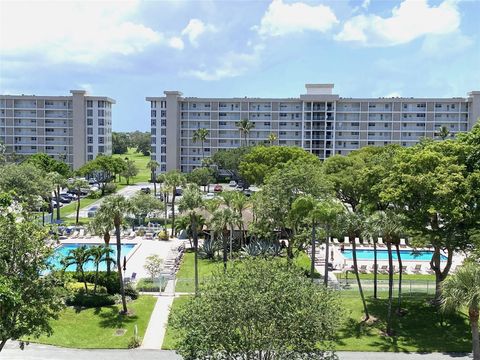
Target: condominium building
column 74, row 129
column 318, row 121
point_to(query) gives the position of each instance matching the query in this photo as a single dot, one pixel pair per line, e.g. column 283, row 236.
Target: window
column 101, row 112
column 266, row 124
column 222, row 123
column 100, row 140
column 101, row 131
column 101, row 122
column 101, row 149
column 163, row 149
column 354, row 124
column 90, row 131
column 163, row 104
column 89, row 112
column 101, row 103
column 163, row 141
column 163, row 132
column 153, row 104
column 371, row 124
column 89, row 103
column 154, row 122
column 90, row 140
column 153, row 113
column 90, row 157
column 89, row 122
column 153, row 131
column 163, row 122
column 163, row 158
column 90, row 148
column 437, row 106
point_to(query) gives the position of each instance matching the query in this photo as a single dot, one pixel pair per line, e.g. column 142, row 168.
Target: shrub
column 110, row 188
column 89, row 300
column 131, row 292
column 95, row 195
column 149, row 285
column 208, row 249
column 80, row 287
column 153, row 265
column 134, row 342
column 110, row 282
column 162, row 235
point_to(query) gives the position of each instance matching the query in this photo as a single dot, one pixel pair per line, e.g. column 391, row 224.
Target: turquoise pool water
column 63, row 250
column 382, row 255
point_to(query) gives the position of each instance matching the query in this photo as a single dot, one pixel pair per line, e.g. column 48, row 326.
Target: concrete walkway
column 157, row 325
column 45, row 352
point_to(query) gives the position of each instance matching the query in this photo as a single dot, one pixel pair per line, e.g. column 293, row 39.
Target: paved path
column 45, row 352
column 153, row 338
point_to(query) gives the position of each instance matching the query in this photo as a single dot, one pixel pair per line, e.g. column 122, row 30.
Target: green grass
column 141, row 162
column 95, row 328
column 422, row 329
column 71, row 208
column 186, row 273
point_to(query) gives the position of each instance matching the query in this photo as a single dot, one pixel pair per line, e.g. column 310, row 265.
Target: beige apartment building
column 73, row 128
column 319, row 121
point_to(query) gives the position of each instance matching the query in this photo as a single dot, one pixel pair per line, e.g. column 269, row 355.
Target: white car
column 232, row 183
column 209, row 196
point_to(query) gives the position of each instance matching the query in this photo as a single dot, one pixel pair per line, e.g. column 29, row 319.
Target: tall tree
column 462, row 289
column 130, row 171
column 245, row 126
column 144, row 204
column 78, row 257
column 120, row 143
column 29, row 299
column 101, row 225
column 272, row 137
column 191, row 203
column 77, row 186
column 443, row 132
column 200, row 135
column 115, row 207
column 103, row 168
column 202, row 177
column 98, row 255
column 58, row 182
column 153, row 166
column 173, row 180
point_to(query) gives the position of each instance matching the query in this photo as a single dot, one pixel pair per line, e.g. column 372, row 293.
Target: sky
column 129, row 50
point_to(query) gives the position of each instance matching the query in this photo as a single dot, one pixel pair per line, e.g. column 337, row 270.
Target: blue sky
column 129, row 50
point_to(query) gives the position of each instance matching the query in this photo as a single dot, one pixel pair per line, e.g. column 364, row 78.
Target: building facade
column 74, row 129
column 318, row 121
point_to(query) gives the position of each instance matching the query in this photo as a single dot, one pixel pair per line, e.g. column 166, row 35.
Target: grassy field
column 95, row 328
column 141, row 163
column 71, row 208
column 422, row 328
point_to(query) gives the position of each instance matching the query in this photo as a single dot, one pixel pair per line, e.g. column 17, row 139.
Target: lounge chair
column 404, row 269
column 403, row 244
column 383, row 269
column 372, row 269
column 380, row 242
column 335, row 241
column 363, row 269
column 417, row 269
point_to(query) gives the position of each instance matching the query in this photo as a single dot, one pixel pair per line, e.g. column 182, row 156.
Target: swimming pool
column 382, row 255
column 63, row 250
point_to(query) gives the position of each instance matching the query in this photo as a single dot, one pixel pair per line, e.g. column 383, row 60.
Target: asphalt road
column 45, row 352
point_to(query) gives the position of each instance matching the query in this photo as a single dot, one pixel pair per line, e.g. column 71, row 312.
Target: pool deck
column 137, row 256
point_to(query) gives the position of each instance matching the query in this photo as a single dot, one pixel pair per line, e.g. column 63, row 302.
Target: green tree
column 130, row 171
column 200, row 135
column 244, row 127
column 274, row 325
column 229, row 159
column 103, row 168
column 153, row 166
column 58, row 182
column 78, row 257
column 262, row 160
column 462, row 289
column 99, row 254
column 153, row 265
column 390, row 226
column 29, row 300
column 190, row 203
column 272, row 137
column 48, row 164
column 101, row 225
column 77, row 186
column 120, row 143
column 141, row 142
column 443, row 132
column 144, row 204
column 115, row 207
column 173, row 180
column 202, row 177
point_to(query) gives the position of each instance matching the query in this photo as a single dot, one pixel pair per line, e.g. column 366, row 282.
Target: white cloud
column 393, row 94
column 281, row 19
column 73, row 31
column 365, row 4
column 232, row 64
column 195, row 28
column 176, row 43
column 410, row 20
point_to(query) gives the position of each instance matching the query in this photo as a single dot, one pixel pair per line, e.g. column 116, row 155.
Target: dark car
column 146, row 190
column 178, row 192
column 65, row 199
column 247, row 192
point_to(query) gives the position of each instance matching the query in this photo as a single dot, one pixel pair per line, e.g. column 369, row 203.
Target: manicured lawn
column 72, row 207
column 422, row 329
column 141, row 163
column 95, row 328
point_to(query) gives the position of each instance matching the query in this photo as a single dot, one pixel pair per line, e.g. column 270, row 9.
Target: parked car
column 146, row 190
column 178, row 192
column 92, row 211
column 232, row 183
column 209, row 196
column 247, row 192
column 65, row 199
column 218, row 188
column 55, row 205
column 92, row 181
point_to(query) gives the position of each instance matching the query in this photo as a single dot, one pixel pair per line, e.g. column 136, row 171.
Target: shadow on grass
column 422, row 328
column 111, row 318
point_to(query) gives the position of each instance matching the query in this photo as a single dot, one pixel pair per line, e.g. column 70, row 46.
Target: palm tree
column 101, row 225
column 191, row 202
column 79, row 257
column 116, row 207
column 272, row 138
column 221, row 220
column 58, row 181
column 239, row 203
column 77, row 186
column 153, row 166
column 390, row 226
column 98, row 255
column 233, row 218
column 174, row 179
column 443, row 132
column 462, row 289
column 200, row 135
column 183, row 223
column 244, row 126
column 352, row 224
column 370, row 232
